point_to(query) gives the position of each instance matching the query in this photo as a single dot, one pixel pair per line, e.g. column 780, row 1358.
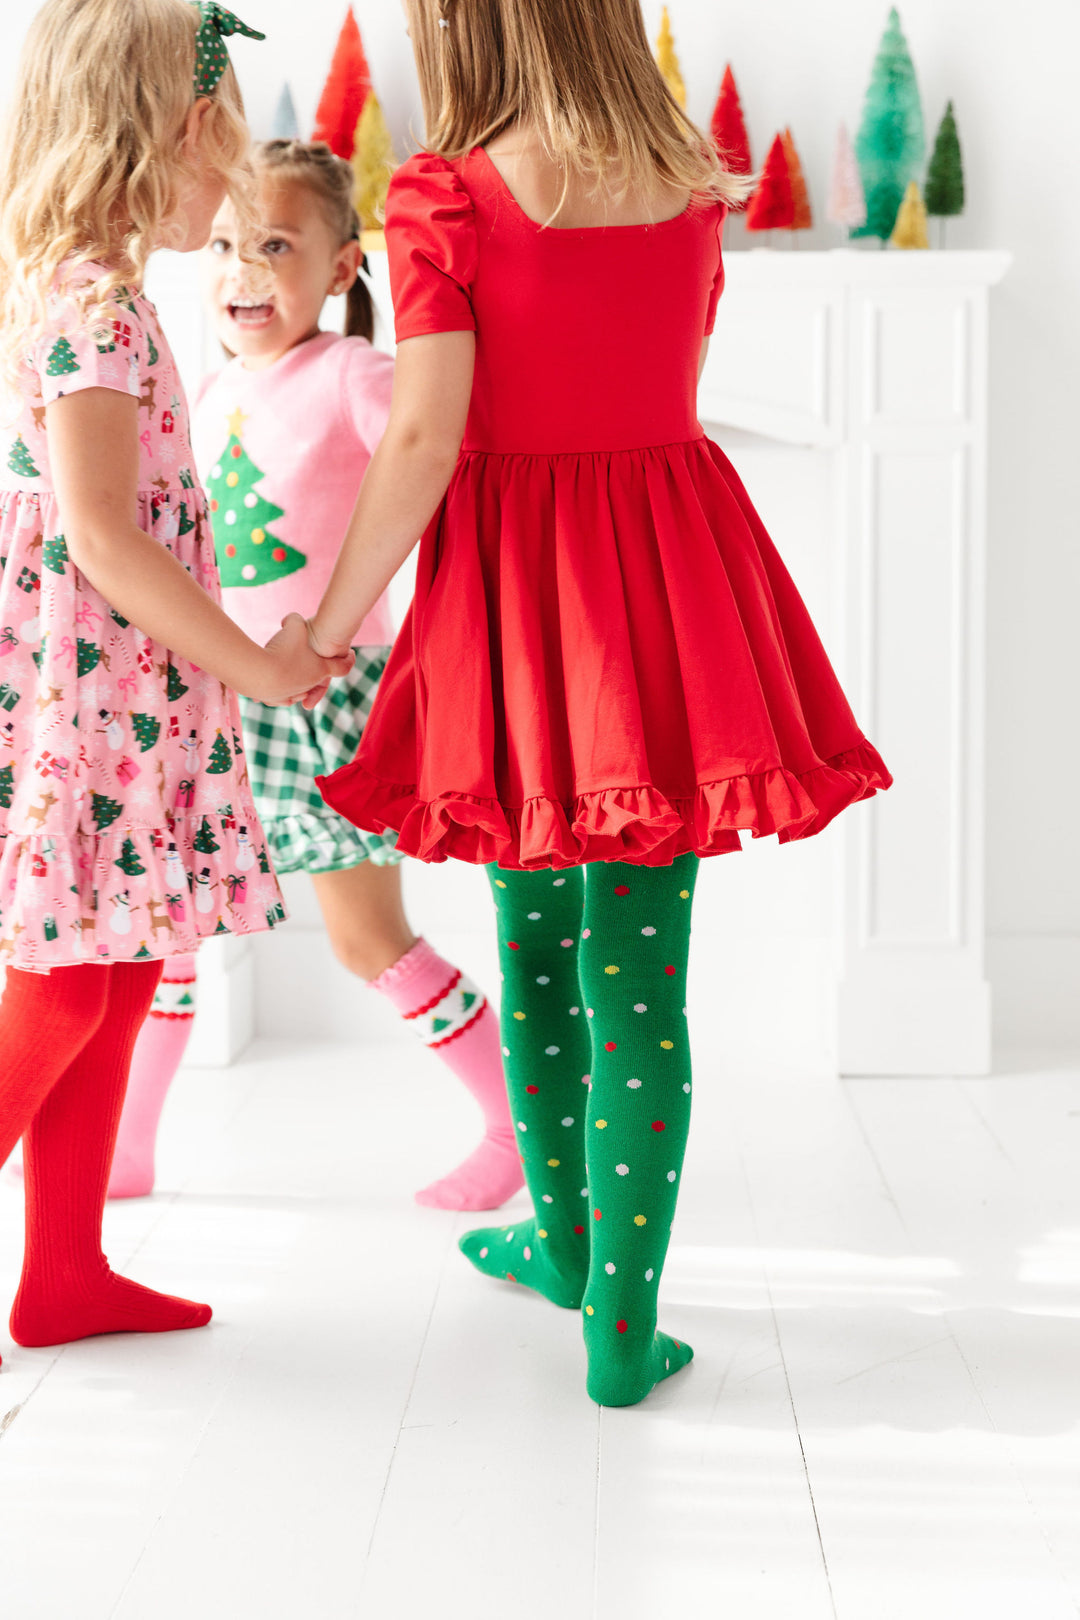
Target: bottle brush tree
column 668, row 61
column 345, row 91
column 801, row 215
column 910, row 228
column 772, row 207
column 891, row 142
column 945, row 175
column 729, row 128
column 847, row 204
column 373, row 164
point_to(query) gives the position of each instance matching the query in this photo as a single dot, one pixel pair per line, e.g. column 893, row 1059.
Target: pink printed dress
column 127, row 827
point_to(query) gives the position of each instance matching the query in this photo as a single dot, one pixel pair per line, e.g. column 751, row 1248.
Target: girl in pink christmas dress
column 126, row 813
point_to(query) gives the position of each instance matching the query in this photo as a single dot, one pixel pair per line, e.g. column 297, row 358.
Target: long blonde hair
column 578, row 73
column 93, row 138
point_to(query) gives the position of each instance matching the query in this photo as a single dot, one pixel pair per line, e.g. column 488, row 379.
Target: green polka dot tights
column 598, row 1071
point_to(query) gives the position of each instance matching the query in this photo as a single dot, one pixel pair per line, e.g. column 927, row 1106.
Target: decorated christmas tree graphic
column 146, row 729
column 204, row 840
column 7, row 786
column 54, row 554
column 61, row 361
column 128, row 860
column 105, row 810
column 220, row 758
column 174, row 686
column 247, row 550
column 20, row 460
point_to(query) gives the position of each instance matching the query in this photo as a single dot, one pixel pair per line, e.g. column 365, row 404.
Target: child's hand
column 296, row 673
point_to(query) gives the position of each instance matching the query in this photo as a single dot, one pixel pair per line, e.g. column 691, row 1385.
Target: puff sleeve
column 431, row 243
column 718, row 279
column 107, row 353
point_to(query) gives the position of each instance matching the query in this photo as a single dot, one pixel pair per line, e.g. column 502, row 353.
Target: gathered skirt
column 605, row 659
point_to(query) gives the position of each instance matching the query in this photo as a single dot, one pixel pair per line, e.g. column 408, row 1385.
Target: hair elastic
column 211, row 57
column 444, row 22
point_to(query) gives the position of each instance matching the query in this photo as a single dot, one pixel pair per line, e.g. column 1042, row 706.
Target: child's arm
column 405, row 482
column 94, row 453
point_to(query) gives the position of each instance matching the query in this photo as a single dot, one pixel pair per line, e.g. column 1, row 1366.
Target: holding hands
column 294, row 671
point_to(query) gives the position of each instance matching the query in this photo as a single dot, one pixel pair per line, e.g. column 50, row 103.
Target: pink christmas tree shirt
column 127, row 826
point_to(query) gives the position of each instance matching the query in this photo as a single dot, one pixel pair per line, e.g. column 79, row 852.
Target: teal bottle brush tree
column 891, row 142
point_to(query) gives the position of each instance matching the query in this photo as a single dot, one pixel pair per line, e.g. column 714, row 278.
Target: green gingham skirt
column 288, row 748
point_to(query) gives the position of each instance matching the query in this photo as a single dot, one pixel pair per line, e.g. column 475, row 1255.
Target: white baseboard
column 1036, row 985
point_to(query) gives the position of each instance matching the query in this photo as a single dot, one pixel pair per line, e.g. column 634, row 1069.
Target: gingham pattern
column 288, row 748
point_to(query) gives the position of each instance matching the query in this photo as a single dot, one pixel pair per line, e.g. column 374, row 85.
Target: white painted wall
column 1014, row 91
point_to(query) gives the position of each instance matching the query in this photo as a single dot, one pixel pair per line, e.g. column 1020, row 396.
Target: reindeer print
column 160, row 921
column 40, row 812
column 147, row 399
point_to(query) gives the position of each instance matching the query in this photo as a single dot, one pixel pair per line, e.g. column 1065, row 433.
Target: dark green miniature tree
column 945, row 176
column 7, row 786
column 891, row 142
column 128, row 860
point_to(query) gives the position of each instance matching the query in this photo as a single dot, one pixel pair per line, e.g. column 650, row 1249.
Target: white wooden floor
column 881, row 1279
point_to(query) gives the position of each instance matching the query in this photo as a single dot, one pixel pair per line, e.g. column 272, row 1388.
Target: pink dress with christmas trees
column 127, row 827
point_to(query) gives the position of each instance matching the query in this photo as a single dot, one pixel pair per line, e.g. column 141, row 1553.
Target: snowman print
column 191, row 752
column 175, row 876
column 245, row 855
column 112, row 726
column 120, row 921
column 204, row 892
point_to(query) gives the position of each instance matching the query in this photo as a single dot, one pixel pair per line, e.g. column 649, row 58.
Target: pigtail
column 360, row 307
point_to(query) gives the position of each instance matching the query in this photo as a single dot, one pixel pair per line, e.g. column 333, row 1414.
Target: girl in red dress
column 607, row 672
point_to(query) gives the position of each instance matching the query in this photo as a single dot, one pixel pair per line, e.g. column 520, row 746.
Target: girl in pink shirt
column 283, row 436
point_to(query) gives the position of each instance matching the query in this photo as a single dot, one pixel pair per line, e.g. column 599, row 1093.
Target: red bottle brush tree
column 346, row 89
column 772, row 207
column 801, row 216
column 729, row 128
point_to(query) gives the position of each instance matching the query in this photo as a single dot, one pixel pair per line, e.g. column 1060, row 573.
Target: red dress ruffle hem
column 605, row 658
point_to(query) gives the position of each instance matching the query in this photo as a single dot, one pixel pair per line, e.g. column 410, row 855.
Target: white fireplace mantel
column 881, row 358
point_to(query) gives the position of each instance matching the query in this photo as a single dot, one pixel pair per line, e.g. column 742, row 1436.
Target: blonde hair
column 331, row 181
column 93, row 139
column 579, row 73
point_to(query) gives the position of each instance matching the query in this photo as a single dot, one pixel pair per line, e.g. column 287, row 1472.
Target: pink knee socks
column 159, row 1052
column 452, row 1017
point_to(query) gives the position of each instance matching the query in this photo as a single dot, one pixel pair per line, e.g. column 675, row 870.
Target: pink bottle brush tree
column 847, row 202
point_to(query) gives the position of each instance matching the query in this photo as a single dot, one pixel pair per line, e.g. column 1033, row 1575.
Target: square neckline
column 572, row 230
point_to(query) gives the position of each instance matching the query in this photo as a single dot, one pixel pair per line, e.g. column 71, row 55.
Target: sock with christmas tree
column 159, row 1052
column 633, row 962
column 453, row 1018
column 546, row 1052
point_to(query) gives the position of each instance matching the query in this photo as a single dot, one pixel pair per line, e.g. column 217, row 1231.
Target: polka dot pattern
column 211, row 57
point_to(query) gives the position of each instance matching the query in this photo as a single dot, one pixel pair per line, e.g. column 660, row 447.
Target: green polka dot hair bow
column 211, row 57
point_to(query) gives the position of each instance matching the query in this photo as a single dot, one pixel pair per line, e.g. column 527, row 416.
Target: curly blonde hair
column 579, row 73
column 91, row 161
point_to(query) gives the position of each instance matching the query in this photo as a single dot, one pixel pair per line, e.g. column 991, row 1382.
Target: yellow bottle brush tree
column 373, row 164
column 668, row 61
column 910, row 228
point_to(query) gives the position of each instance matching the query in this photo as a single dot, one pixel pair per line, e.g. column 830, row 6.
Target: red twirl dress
column 605, row 658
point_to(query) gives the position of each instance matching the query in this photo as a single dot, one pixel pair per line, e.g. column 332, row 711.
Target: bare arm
column 94, row 452
column 405, row 482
